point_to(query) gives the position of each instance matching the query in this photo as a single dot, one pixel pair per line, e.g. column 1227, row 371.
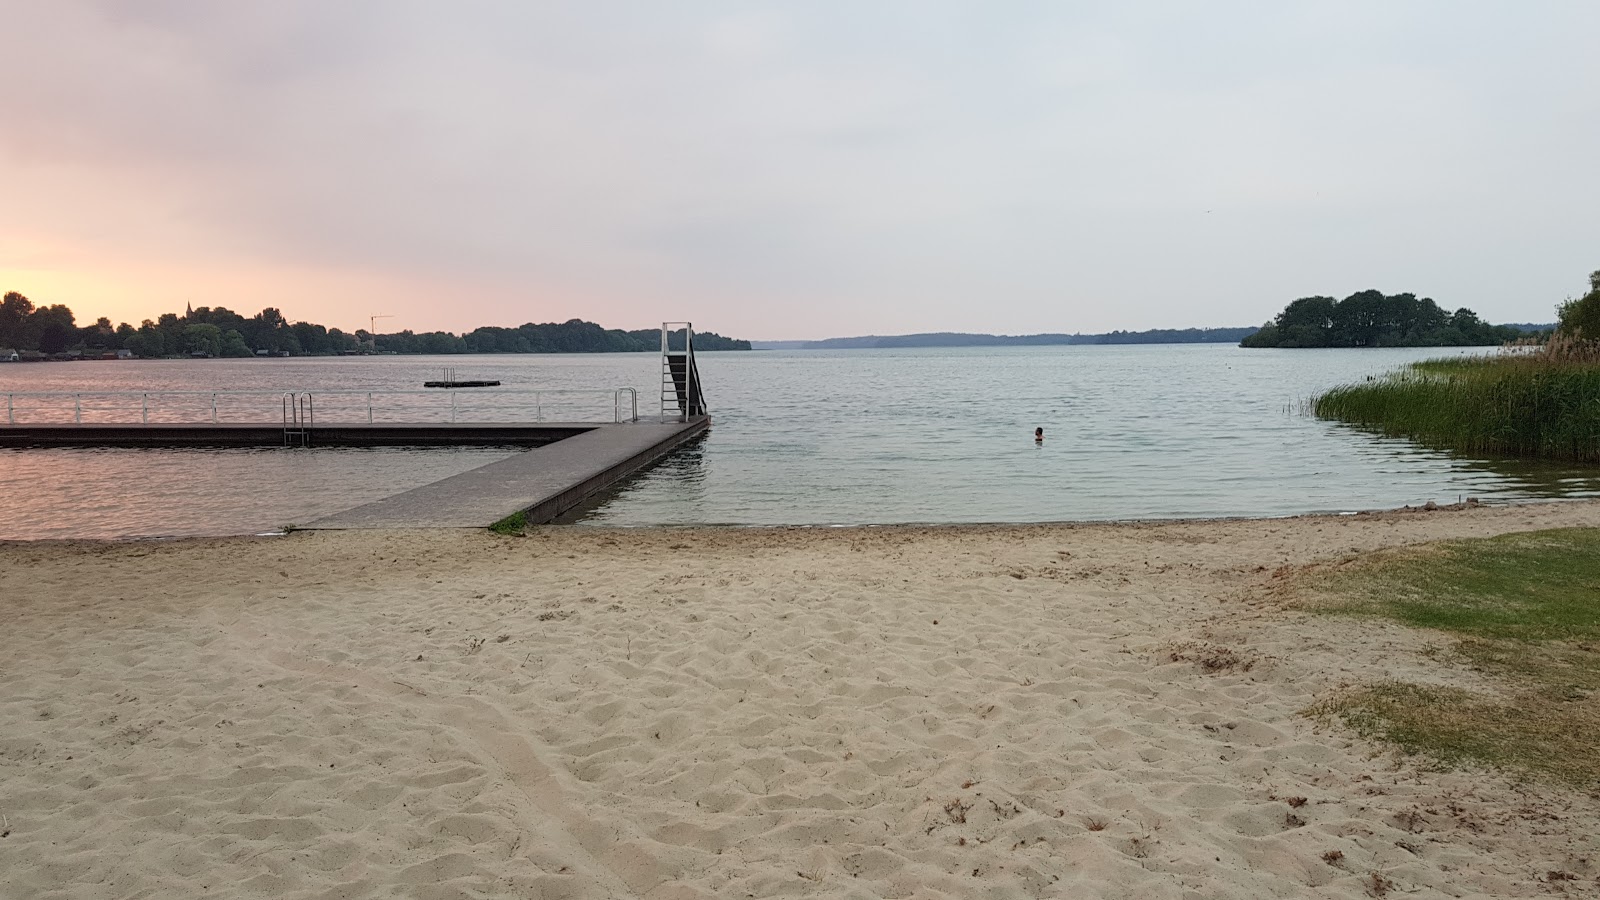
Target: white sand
column 916, row 712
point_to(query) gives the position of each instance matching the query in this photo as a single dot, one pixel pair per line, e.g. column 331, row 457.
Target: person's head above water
column 1038, row 434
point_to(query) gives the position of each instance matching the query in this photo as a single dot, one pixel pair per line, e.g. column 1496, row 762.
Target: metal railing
column 469, row 406
column 680, row 377
column 633, row 399
column 299, row 417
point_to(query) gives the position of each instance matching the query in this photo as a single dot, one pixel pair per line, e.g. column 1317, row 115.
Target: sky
column 796, row 170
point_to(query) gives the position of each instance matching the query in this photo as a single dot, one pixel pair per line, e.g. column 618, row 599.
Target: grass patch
column 1527, row 405
column 1525, row 609
column 1455, row 727
column 515, row 524
column 1535, row 586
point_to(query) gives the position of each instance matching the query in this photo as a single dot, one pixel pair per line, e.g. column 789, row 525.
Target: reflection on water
column 817, row 437
column 113, row 493
column 1506, row 478
column 1539, row 480
column 678, row 481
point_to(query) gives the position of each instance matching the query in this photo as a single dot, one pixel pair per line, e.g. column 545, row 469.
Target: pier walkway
column 542, row 483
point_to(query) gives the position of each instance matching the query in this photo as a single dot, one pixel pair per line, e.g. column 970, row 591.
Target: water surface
column 816, row 438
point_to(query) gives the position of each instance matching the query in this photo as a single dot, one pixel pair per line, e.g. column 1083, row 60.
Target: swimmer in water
column 1038, row 435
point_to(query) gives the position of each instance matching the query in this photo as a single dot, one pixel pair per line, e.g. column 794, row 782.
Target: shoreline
column 916, row 711
column 928, row 526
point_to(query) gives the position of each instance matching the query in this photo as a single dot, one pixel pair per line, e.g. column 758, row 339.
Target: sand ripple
column 984, row 712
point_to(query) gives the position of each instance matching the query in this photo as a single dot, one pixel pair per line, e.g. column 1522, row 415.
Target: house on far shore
column 9, row 355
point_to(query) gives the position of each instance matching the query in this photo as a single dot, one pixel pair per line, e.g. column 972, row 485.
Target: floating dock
column 569, row 461
column 254, row 435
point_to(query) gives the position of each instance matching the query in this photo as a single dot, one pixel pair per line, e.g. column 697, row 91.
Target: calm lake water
column 813, row 438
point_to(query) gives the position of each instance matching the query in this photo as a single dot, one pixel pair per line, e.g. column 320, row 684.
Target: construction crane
column 372, row 328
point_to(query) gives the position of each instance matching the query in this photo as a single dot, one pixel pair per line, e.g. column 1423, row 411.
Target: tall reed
column 1536, row 403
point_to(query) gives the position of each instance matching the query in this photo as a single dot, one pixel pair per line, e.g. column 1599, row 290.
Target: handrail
column 618, row 408
column 670, row 390
column 192, row 407
column 274, row 392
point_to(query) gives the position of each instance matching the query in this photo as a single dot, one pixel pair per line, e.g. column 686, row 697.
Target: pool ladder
column 299, row 414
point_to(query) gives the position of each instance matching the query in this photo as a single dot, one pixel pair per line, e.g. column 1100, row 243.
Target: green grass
column 1525, row 610
column 514, row 524
column 1536, row 586
column 1521, row 405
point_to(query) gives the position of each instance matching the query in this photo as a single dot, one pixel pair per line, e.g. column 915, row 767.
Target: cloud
column 801, row 171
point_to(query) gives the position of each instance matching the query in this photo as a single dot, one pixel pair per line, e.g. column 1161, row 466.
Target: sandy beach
column 1037, row 711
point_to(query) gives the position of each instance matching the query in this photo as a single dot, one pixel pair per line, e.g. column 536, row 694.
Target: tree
column 52, row 328
column 14, row 312
column 99, row 336
column 1580, row 318
column 1266, row 336
column 149, row 341
column 269, row 330
column 1306, row 322
column 1358, row 320
column 233, row 344
column 202, row 338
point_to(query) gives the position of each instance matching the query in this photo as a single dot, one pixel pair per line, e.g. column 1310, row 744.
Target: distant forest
column 1372, row 319
column 961, row 339
column 51, row 331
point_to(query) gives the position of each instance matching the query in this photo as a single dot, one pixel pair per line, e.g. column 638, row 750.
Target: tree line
column 218, row 331
column 967, row 339
column 1373, row 319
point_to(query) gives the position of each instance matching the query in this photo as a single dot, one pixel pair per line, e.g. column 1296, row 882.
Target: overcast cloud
column 796, row 170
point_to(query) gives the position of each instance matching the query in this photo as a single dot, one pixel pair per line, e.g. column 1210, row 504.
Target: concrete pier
column 542, row 483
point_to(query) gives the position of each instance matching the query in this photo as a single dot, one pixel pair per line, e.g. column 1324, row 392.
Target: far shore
column 907, row 711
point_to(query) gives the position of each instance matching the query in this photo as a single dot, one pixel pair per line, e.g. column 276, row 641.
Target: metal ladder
column 299, row 414
column 680, row 377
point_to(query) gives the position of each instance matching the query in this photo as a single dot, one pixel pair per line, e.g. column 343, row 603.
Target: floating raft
column 460, row 384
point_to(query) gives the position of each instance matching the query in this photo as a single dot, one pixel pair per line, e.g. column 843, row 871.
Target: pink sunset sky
column 777, row 171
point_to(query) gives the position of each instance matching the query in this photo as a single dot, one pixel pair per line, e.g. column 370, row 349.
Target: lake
column 814, row 437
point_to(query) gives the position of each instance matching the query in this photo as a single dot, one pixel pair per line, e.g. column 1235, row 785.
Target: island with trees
column 1372, row 319
column 1532, row 400
column 51, row 332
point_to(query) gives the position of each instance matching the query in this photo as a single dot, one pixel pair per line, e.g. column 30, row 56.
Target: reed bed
column 1538, row 404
